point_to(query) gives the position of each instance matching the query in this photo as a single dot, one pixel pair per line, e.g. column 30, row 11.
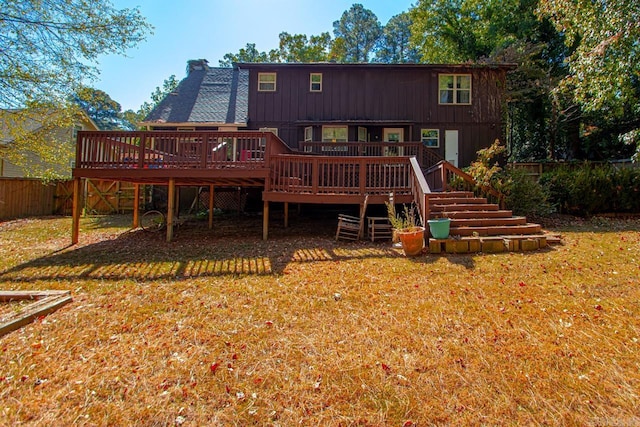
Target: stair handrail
column 446, row 167
column 420, row 190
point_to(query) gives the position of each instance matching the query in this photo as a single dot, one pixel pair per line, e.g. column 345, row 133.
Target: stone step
column 496, row 230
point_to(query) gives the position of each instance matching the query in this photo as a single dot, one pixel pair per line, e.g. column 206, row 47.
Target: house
column 320, row 133
column 453, row 110
column 42, row 136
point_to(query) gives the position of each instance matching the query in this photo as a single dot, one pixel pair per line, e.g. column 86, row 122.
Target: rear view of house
column 453, row 110
column 317, row 133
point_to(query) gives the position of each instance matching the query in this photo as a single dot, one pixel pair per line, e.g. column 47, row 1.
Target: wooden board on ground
column 34, row 304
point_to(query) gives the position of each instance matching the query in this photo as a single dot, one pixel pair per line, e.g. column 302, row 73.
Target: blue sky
column 192, row 29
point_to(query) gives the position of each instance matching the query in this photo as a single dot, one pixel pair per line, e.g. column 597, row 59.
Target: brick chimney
column 197, row 64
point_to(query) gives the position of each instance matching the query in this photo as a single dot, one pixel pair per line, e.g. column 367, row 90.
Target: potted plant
column 405, row 226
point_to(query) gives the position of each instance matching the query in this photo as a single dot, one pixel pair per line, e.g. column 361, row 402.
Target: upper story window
column 455, row 88
column 266, row 82
column 315, row 82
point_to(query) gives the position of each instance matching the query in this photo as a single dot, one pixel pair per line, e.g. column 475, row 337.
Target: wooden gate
column 98, row 197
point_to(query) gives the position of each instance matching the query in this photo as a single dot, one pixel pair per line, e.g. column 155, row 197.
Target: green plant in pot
column 406, row 228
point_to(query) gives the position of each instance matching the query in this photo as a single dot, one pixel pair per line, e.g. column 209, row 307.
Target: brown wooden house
column 453, row 110
column 316, row 133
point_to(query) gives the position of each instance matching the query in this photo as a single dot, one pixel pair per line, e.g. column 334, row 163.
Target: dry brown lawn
column 221, row 328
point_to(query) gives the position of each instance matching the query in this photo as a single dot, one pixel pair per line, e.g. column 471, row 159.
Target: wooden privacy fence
column 23, row 197
column 20, row 197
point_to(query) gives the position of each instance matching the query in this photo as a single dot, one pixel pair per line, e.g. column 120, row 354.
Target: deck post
column 286, row 214
column 136, row 206
column 265, row 221
column 75, row 222
column 171, row 199
column 211, row 206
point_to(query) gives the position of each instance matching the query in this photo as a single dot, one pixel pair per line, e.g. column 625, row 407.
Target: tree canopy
column 395, row 43
column 359, row 30
column 47, row 49
column 104, row 111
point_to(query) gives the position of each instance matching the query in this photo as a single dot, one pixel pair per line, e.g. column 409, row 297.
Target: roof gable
column 208, row 95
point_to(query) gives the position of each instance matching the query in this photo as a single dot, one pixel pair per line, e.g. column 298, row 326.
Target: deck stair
column 477, row 225
column 474, row 216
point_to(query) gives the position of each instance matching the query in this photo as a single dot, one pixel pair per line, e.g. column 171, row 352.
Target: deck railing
column 426, row 156
column 177, row 150
column 444, row 176
column 325, row 175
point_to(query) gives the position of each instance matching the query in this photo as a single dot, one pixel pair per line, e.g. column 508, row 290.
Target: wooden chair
column 350, row 227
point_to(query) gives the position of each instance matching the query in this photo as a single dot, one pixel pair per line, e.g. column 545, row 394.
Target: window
column 315, row 82
column 455, row 88
column 334, row 134
column 430, row 137
column 308, row 134
column 362, row 134
column 266, row 82
column 308, row 137
column 74, row 132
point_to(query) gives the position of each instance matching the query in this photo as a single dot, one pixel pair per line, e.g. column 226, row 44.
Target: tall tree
column 395, row 43
column 300, row 48
column 48, row 48
column 104, row 111
column 605, row 66
column 249, row 53
column 359, row 30
column 168, row 86
column 542, row 122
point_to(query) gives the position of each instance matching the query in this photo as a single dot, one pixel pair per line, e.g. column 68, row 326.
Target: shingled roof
column 214, row 96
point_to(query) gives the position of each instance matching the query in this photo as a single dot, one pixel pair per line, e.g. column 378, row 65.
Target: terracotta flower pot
column 412, row 240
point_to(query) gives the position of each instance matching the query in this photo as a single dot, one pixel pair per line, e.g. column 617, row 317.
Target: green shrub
column 524, row 196
column 588, row 190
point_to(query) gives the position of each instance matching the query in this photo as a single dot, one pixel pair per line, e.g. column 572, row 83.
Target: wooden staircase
column 478, row 226
column 473, row 216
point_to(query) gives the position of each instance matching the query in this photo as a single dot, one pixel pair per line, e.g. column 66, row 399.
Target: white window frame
column 318, row 83
column 456, row 90
column 264, row 85
column 308, row 134
column 425, row 137
column 362, row 134
column 308, row 137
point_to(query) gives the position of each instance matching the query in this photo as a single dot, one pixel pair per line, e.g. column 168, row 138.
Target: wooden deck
column 329, row 173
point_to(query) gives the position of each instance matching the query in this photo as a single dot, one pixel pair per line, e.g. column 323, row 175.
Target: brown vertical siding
column 378, row 93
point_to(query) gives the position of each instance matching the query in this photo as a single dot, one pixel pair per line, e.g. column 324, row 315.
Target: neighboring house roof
column 214, row 96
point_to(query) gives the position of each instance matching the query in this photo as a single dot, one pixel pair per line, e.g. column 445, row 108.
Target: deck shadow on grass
column 196, row 252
